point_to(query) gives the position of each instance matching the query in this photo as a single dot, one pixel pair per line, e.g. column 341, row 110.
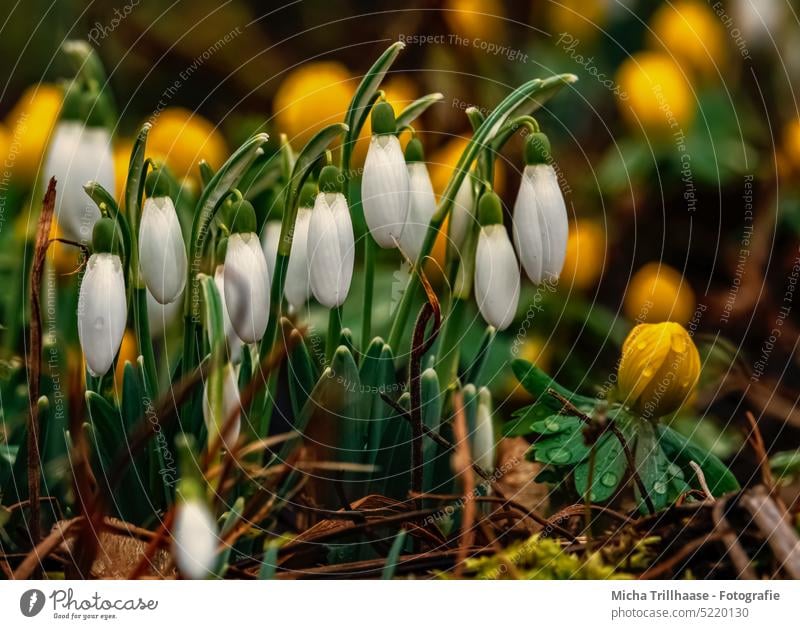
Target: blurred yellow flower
column 30, row 123
column 659, row 368
column 658, row 96
column 582, row 19
column 122, row 158
column 658, row 292
column 442, row 163
column 129, row 352
column 586, row 252
column 5, row 142
column 65, row 258
column 472, row 18
column 535, row 350
column 691, row 32
column 182, row 138
column 311, row 97
column 791, row 142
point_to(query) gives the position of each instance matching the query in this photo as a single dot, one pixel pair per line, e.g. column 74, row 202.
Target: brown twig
column 686, row 550
column 463, row 464
column 33, row 560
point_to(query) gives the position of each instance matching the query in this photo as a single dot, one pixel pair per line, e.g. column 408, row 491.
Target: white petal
column 496, row 277
column 195, row 539
column 234, row 342
column 102, row 311
column 269, row 243
column 384, row 190
column 230, row 402
column 162, row 254
column 298, row 283
column 540, row 224
column 462, row 216
column 77, row 155
column 161, row 316
column 421, row 208
column 246, row 287
column 331, row 251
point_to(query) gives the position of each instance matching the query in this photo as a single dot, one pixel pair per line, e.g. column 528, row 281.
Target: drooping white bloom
column 483, row 437
column 78, row 154
column 194, row 540
column 331, row 249
column 162, row 254
column 421, row 208
column 298, row 281
column 160, row 316
column 269, row 243
column 462, row 216
column 246, row 286
column 234, row 342
column 385, row 190
column 496, row 276
column 102, row 311
column 230, row 402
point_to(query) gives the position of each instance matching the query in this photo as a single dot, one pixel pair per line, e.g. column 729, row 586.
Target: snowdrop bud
column 496, row 269
column 230, row 403
column 246, row 283
column 162, row 253
column 78, row 154
column 102, row 303
column 234, row 342
column 331, row 248
column 269, row 243
column 160, row 316
column 194, row 539
column 540, row 215
column 483, row 437
column 385, row 184
column 422, row 202
column 463, row 213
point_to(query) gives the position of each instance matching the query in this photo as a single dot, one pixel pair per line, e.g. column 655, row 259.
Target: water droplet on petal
column 99, row 323
column 648, row 372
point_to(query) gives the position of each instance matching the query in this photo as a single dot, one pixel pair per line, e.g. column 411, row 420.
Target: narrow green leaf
column 681, row 450
column 394, row 555
column 414, row 110
column 609, row 470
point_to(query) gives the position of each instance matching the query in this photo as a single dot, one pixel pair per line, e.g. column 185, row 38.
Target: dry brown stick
column 34, row 558
column 756, row 441
column 153, row 546
column 35, row 361
column 771, row 521
column 729, row 537
column 463, row 466
column 686, row 550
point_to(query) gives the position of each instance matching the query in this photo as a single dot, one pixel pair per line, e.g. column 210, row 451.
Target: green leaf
column 231, row 518
column 414, row 110
column 432, row 402
column 394, row 554
column 269, row 563
column 134, row 184
column 378, row 375
column 681, row 450
column 475, row 369
column 554, row 424
column 563, row 448
column 609, row 470
column 364, row 96
column 302, row 374
column 653, row 467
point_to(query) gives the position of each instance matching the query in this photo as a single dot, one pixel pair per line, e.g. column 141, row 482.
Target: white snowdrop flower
column 160, row 316
column 270, row 238
column 331, row 248
column 102, row 303
column 496, row 270
column 76, row 155
column 298, row 280
column 422, row 201
column 162, row 253
column 246, row 284
column 483, row 441
column 234, row 342
column 462, row 214
column 540, row 215
column 194, row 539
column 385, row 184
column 230, row 402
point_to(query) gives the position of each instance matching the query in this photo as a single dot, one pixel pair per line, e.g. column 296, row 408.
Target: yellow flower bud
column 658, row 292
column 183, row 138
column 586, row 251
column 657, row 97
column 689, row 31
column 659, row 368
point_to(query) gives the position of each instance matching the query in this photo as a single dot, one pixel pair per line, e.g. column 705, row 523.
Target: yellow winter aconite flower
column 30, row 124
column 791, row 142
column 689, row 31
column 473, row 18
column 128, row 352
column 183, row 138
column 658, row 292
column 122, row 159
column 586, row 252
column 581, row 20
column 658, row 96
column 311, row 97
column 659, row 368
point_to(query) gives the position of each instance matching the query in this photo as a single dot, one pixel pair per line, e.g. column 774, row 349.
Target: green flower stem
column 369, row 288
column 449, row 352
column 334, row 332
column 520, row 97
column 141, row 326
